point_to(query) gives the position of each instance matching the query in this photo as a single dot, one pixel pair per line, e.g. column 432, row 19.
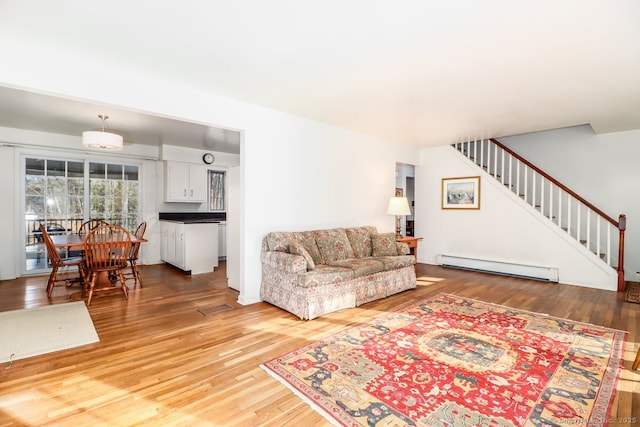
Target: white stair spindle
column 510, row 172
column 598, row 236
column 559, row 207
column 495, row 161
column 502, row 167
column 569, row 215
column 517, row 191
column 578, row 221
column 609, row 245
column 550, row 201
column 534, row 175
column 588, row 229
column 526, row 182
column 475, row 152
column 489, row 158
column 542, row 195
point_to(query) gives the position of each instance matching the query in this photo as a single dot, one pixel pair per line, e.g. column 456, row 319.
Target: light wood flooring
column 168, row 356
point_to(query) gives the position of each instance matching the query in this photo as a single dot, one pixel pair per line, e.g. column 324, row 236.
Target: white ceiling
column 416, row 72
column 35, row 111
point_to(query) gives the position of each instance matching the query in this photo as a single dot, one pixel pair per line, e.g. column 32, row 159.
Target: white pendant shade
column 101, row 139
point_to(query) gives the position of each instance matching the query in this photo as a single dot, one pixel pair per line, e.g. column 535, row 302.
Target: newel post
column 622, row 226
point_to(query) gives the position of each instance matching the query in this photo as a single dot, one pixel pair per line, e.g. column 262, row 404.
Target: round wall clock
column 208, row 158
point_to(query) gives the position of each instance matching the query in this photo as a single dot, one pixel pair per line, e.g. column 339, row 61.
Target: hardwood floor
column 161, row 361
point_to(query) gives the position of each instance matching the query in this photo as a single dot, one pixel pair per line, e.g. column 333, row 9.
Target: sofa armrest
column 285, row 261
column 402, row 248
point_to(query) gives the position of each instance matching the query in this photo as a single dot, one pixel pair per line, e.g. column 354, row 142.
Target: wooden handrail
column 557, row 183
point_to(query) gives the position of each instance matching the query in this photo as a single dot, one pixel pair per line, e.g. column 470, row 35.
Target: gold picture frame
column 461, row 193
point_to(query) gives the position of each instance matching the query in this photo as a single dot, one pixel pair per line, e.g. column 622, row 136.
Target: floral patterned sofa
column 311, row 273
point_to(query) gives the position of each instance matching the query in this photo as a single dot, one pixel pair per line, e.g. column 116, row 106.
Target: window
column 114, row 189
column 61, row 194
column 216, row 191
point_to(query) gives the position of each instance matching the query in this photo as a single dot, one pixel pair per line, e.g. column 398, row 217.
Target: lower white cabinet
column 222, row 240
column 190, row 247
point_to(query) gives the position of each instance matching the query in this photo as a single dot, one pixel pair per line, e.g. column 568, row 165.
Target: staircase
column 599, row 233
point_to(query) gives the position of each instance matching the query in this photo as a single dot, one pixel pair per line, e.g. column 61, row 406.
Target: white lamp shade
column 398, row 206
column 101, row 139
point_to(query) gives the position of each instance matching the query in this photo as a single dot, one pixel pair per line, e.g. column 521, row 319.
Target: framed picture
column 398, row 192
column 461, row 193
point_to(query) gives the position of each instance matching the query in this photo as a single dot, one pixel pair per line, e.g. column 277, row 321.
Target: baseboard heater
column 548, row 274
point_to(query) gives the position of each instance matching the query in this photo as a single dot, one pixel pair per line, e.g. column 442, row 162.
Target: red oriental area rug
column 452, row 361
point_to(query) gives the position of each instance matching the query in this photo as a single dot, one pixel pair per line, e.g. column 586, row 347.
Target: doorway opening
column 405, row 186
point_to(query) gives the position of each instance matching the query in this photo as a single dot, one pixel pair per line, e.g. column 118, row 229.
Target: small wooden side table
column 413, row 244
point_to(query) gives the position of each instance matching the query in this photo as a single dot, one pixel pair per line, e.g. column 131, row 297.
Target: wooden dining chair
column 89, row 225
column 106, row 250
column 637, row 361
column 84, row 229
column 133, row 256
column 57, row 262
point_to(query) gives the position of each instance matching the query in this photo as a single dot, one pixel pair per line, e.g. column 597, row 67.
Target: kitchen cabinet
column 185, row 182
column 190, row 247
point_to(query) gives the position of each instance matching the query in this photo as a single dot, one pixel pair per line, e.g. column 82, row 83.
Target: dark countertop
column 193, row 217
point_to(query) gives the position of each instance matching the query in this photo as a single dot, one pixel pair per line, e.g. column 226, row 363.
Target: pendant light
column 102, row 139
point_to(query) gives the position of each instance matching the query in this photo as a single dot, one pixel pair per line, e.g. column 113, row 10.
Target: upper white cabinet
column 185, row 182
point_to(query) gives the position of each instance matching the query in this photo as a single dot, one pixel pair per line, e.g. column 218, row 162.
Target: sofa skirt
column 282, row 290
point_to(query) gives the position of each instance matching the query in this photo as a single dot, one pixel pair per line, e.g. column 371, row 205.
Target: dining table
column 75, row 243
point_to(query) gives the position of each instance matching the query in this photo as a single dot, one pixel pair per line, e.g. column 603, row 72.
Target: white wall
column 604, row 169
column 302, row 175
column 296, row 174
column 503, row 229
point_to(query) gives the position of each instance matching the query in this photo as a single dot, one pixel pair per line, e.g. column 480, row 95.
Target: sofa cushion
column 397, row 262
column 279, row 241
column 361, row 266
column 383, row 244
column 308, row 240
column 296, row 248
column 402, row 248
column 333, row 245
column 325, row 274
column 360, row 240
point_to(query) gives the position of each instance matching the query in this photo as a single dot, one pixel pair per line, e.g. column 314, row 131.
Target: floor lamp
column 398, row 206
